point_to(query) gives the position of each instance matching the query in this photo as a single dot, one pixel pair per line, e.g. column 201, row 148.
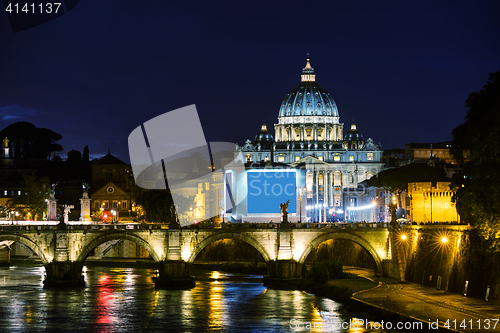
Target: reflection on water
column 124, row 299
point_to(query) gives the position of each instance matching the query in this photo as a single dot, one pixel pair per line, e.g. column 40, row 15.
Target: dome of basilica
column 308, row 98
column 308, row 112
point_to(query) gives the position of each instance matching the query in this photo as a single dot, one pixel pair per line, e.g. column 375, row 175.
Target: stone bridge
column 64, row 248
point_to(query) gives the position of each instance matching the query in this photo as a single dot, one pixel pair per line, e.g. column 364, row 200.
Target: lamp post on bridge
column 396, row 264
column 300, row 202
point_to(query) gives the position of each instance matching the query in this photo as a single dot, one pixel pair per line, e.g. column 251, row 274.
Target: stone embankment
column 388, row 298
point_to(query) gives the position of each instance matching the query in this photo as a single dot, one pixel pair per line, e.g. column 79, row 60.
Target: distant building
column 394, row 158
column 432, row 202
column 365, row 203
column 424, row 151
column 68, row 180
column 113, row 187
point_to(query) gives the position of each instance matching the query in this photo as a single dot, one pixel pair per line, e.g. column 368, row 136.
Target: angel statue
column 284, row 207
column 85, row 188
column 67, row 210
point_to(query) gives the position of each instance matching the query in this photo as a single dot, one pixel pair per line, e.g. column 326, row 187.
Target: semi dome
column 308, row 98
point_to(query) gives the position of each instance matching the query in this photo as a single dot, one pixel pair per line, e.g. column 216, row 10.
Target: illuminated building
column 112, row 187
column 425, row 151
column 431, row 202
column 309, row 136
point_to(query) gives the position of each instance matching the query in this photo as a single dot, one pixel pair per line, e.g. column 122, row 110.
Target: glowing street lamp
column 300, row 203
column 374, row 203
column 444, row 240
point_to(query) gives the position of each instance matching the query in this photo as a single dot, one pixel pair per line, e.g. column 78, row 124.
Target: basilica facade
column 309, row 136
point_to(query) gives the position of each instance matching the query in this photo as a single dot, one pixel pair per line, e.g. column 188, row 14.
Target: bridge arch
column 343, row 235
column 229, row 235
column 116, row 235
column 28, row 242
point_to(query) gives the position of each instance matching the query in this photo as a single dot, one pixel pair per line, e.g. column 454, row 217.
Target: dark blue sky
column 401, row 70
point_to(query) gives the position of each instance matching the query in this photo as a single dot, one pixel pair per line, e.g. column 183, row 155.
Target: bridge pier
column 174, row 274
column 283, row 274
column 63, row 274
column 4, row 256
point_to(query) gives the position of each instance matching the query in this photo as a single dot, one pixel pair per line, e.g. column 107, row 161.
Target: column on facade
column 315, row 132
column 332, row 177
column 332, row 203
column 316, row 180
column 325, row 188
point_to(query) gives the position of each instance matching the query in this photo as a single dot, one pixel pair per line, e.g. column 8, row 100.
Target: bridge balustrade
column 159, row 226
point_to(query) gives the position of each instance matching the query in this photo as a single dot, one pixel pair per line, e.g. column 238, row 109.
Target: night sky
column 401, row 70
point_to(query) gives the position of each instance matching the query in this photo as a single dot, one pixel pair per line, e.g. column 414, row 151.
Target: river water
column 125, row 300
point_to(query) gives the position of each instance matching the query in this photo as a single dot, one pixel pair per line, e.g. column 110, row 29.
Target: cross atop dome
column 308, row 72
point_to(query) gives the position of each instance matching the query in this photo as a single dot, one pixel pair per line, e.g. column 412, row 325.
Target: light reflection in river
column 125, row 300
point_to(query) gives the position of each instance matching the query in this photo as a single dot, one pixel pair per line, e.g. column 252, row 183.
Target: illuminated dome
column 264, row 135
column 264, row 138
column 308, row 112
column 308, row 98
column 353, row 134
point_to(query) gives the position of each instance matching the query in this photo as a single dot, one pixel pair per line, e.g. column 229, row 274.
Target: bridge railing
column 272, row 225
column 91, row 227
column 163, row 226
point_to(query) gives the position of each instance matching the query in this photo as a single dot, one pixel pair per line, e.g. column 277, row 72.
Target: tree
column 20, row 135
column 86, row 156
column 46, row 142
column 396, row 180
column 33, row 202
column 29, row 141
column 156, row 205
column 74, row 158
column 475, row 148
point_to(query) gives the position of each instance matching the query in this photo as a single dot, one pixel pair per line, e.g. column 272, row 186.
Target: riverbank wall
column 450, row 259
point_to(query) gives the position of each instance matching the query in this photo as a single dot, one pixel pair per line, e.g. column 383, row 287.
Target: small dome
column 264, row 137
column 308, row 98
column 353, row 134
